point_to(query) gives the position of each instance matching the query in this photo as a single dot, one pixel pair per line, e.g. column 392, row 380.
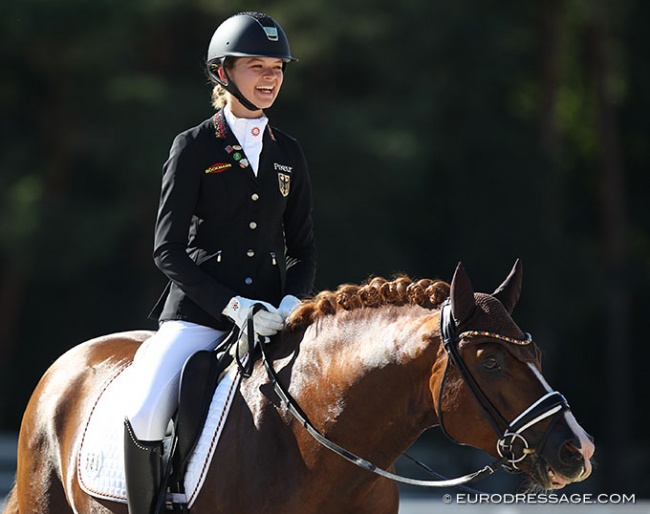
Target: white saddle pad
column 101, row 454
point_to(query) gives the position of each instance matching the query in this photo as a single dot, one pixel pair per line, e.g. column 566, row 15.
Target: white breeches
column 156, row 371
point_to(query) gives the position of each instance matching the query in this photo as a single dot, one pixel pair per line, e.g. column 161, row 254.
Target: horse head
column 492, row 377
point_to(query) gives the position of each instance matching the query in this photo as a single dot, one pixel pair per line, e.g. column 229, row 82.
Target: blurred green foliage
column 435, row 132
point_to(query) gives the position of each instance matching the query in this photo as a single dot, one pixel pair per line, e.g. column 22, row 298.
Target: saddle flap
column 199, row 380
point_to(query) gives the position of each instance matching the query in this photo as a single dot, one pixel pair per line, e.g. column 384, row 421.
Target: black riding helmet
column 247, row 34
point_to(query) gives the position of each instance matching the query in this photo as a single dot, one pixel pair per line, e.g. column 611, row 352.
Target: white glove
column 266, row 323
column 288, row 305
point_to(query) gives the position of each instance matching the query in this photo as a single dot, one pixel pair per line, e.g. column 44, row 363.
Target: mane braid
column 373, row 293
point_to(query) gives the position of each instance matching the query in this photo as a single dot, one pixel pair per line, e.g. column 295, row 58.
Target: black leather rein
column 291, row 405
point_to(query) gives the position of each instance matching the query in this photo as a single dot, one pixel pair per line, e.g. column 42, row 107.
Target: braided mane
column 375, row 292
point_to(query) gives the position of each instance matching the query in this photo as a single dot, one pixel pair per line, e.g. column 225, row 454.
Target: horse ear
column 508, row 293
column 461, row 295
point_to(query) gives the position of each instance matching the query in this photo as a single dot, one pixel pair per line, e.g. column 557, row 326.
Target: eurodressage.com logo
column 539, row 499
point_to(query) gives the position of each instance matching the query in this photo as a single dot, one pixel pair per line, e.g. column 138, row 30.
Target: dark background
column 436, row 132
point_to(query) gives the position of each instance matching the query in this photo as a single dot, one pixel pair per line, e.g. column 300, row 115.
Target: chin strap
column 231, row 87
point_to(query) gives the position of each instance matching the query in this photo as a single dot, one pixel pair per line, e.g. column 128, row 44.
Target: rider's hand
column 288, row 305
column 267, row 322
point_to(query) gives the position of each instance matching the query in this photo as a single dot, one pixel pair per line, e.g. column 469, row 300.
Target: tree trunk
column 614, row 216
column 552, row 203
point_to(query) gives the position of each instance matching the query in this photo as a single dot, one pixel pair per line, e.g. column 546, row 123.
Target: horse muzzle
column 562, row 455
column 565, row 459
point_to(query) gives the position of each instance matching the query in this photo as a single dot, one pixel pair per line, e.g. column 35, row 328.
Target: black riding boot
column 143, row 471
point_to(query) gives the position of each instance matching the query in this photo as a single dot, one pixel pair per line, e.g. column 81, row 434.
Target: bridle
column 550, row 404
column 512, row 445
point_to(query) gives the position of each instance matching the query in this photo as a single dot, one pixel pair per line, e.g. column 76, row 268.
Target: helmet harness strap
column 231, row 87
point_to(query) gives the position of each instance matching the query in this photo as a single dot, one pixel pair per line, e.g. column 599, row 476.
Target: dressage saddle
column 199, row 380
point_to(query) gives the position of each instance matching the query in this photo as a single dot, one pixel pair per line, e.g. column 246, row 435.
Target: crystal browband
column 493, row 335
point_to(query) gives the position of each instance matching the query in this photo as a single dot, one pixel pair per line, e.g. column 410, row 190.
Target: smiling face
column 259, row 79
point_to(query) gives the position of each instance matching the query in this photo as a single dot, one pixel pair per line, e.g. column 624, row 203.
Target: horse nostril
column 570, row 453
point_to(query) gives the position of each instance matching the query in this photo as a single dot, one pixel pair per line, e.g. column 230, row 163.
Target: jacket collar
column 223, row 131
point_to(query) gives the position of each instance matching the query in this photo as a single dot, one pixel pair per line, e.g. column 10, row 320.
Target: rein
column 291, row 405
column 551, row 404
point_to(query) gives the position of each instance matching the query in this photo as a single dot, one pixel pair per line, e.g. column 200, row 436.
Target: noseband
column 512, row 445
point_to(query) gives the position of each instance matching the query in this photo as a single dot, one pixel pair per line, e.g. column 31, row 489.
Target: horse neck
column 367, row 378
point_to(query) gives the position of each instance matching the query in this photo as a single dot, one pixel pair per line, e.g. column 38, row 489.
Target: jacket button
column 255, row 197
column 248, row 281
column 252, row 225
column 250, row 253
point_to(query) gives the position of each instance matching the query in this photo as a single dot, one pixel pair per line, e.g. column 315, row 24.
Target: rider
column 234, row 228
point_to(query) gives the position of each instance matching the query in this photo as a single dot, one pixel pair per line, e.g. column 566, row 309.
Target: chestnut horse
column 369, row 367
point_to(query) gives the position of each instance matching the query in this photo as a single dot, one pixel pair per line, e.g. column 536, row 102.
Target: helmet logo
column 271, row 33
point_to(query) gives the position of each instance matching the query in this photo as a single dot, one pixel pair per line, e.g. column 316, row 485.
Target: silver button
column 250, row 253
column 255, row 197
column 252, row 225
column 248, row 281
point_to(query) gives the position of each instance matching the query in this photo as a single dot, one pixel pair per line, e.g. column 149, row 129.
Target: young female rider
column 234, row 227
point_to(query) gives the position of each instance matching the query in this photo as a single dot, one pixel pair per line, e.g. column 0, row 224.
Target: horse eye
column 491, row 364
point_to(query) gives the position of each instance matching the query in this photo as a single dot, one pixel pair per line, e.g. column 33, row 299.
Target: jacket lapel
column 228, row 142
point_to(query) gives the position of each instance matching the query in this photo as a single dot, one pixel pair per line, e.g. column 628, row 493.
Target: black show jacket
column 222, row 231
